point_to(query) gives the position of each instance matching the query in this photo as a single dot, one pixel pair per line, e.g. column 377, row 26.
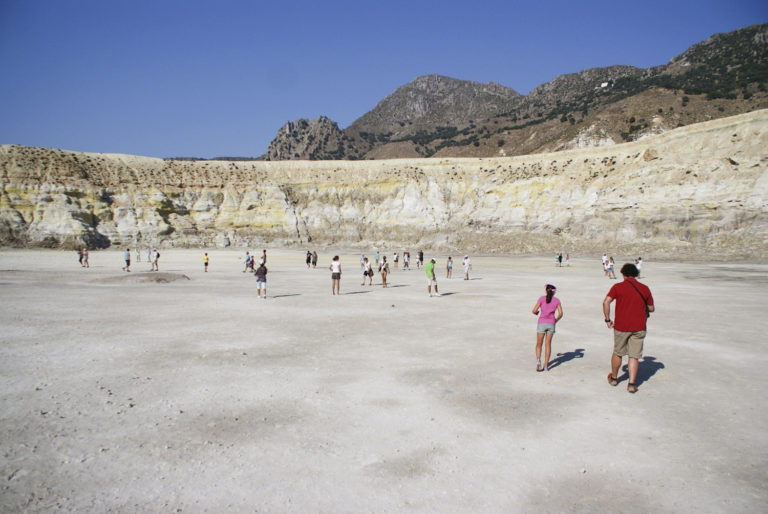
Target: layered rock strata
column 700, row 190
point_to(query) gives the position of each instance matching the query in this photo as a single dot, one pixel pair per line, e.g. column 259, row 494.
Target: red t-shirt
column 630, row 307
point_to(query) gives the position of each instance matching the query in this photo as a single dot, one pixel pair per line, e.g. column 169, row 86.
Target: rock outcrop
column 319, row 139
column 700, row 190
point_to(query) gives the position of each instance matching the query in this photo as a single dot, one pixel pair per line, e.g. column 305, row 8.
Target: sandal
column 538, row 366
column 631, row 388
column 612, row 380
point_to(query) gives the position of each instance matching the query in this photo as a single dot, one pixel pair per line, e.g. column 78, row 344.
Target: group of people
column 153, row 258
column 634, row 301
column 559, row 260
column 609, row 266
column 382, row 265
column 311, row 259
column 259, row 272
column 82, row 257
column 634, row 305
column 250, row 261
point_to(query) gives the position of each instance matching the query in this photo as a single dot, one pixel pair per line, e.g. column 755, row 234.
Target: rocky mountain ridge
column 438, row 116
column 699, row 191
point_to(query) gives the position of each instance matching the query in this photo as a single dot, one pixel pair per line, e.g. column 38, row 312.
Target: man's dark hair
column 629, row 270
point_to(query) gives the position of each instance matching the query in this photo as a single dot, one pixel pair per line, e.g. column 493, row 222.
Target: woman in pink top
column 550, row 311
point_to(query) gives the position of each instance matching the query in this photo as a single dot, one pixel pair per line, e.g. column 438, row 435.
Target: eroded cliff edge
column 700, row 190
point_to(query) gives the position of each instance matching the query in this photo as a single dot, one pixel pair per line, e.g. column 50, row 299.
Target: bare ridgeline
column 696, row 192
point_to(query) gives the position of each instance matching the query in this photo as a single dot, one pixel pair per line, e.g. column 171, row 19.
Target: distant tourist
column 384, row 270
column 335, row 268
column 634, row 303
column 611, row 268
column 420, row 262
column 86, row 264
column 431, row 277
column 261, row 280
column 550, row 311
column 309, row 259
column 248, row 261
column 205, row 262
column 127, row 259
column 378, row 257
column 80, row 256
column 639, row 266
column 314, row 259
column 467, row 265
column 395, row 259
column 263, row 259
column 367, row 272
column 149, row 254
column 406, row 260
column 567, row 259
column 362, row 261
column 560, row 260
column 449, row 267
column 155, row 260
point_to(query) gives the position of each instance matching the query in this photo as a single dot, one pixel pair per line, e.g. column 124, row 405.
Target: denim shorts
column 543, row 328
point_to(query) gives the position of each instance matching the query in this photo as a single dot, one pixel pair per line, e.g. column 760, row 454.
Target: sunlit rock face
column 697, row 191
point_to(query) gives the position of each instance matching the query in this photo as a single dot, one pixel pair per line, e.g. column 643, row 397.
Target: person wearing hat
column 550, row 311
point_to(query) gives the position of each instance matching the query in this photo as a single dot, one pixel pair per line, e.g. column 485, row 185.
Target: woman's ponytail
column 550, row 292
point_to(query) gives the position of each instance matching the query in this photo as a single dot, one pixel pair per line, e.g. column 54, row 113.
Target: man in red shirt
column 632, row 300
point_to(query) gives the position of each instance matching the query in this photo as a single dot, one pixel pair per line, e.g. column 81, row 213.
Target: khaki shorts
column 628, row 343
column 431, row 281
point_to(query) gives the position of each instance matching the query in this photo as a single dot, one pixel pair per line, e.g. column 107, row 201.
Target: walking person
column 550, row 311
column 449, row 268
column 367, row 272
column 308, row 259
column 611, row 267
column 396, row 259
column 314, row 259
column 431, row 277
column 406, row 260
column 384, row 270
column 247, row 261
column 261, row 280
column 420, row 262
column 335, row 268
column 205, row 262
column 634, row 303
column 155, row 259
column 80, row 256
column 86, row 264
column 127, row 259
column 467, row 264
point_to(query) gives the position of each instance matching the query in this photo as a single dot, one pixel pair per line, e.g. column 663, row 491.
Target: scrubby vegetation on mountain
column 439, row 116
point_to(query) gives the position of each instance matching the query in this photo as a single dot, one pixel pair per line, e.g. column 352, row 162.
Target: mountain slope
column 439, row 116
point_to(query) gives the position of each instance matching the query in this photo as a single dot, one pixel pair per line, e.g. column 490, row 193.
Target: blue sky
column 167, row 78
